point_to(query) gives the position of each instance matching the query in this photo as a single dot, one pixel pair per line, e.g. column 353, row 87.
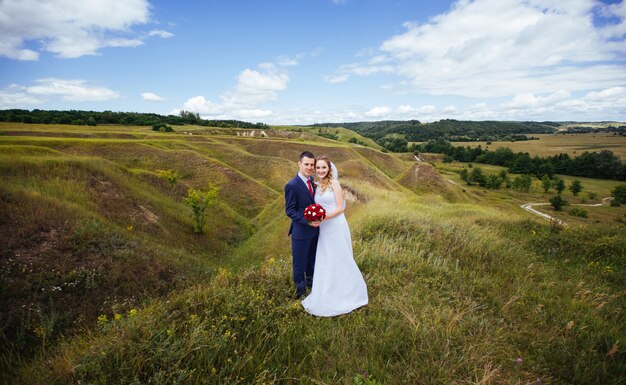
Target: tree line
column 93, row 118
column 449, row 129
column 602, row 165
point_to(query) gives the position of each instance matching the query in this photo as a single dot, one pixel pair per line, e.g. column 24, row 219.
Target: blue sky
column 314, row 61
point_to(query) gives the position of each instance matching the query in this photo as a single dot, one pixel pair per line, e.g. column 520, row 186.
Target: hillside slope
column 460, row 292
column 86, row 214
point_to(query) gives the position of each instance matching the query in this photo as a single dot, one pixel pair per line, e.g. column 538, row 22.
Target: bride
column 338, row 286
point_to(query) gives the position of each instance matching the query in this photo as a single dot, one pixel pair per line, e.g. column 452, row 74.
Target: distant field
column 553, row 144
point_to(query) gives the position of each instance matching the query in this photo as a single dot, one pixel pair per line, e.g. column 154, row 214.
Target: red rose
column 314, row 213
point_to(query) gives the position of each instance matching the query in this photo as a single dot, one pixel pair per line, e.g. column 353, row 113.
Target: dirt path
column 529, row 207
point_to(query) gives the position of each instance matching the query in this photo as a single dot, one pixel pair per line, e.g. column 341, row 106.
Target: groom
column 299, row 193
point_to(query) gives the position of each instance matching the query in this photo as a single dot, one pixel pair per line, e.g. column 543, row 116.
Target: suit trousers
column 303, row 254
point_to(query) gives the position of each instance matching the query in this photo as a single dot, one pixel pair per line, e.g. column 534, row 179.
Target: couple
column 323, row 247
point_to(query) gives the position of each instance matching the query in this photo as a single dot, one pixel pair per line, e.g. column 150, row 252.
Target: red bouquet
column 314, row 213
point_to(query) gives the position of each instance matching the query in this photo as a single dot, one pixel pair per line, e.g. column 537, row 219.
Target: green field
column 105, row 282
column 554, row 144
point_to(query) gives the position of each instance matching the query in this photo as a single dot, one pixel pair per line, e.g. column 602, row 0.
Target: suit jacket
column 297, row 198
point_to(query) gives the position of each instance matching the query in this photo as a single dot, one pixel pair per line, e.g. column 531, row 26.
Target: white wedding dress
column 338, row 286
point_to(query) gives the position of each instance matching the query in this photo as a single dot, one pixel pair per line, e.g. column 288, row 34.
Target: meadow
column 104, row 280
column 554, row 144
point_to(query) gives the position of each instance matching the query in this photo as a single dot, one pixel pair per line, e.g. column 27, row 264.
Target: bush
column 199, row 201
column 162, row 127
column 558, row 202
column 619, row 193
column 578, row 212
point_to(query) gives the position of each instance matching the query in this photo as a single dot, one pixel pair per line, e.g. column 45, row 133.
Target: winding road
column 529, row 207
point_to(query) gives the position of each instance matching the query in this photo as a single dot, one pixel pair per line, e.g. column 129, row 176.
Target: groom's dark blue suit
column 303, row 236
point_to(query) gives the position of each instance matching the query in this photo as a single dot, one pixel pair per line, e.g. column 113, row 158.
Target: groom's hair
column 307, row 154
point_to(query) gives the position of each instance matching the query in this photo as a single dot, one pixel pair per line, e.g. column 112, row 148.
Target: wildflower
column 519, row 360
column 117, row 316
column 130, row 227
column 102, row 319
column 227, row 334
column 132, row 312
column 533, row 232
column 40, row 331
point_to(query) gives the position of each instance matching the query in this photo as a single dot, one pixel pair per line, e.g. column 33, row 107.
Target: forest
column 92, row 118
column 449, row 129
column 603, row 164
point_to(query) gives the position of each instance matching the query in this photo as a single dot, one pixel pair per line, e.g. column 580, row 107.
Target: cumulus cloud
column 151, row 97
column 529, row 46
column 202, row 106
column 378, row 112
column 253, row 88
column 15, row 96
column 73, row 90
column 69, row 28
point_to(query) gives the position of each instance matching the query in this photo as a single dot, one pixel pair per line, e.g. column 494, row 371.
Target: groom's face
column 307, row 165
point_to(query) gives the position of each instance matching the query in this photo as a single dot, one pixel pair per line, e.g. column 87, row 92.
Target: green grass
column 464, row 286
column 456, row 296
column 554, row 144
column 594, row 190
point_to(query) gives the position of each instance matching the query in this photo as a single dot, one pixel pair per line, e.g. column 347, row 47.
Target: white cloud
column 68, row 28
column 17, row 96
column 71, row 90
column 161, row 33
column 288, row 61
column 253, row 88
column 530, row 100
column 201, row 105
column 496, row 48
column 378, row 112
column 151, row 97
column 254, row 113
column 336, row 78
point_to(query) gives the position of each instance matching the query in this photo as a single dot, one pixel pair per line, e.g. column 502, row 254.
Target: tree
column 493, row 182
column 619, row 193
column 546, row 182
column 504, row 175
column 522, row 183
column 464, row 174
column 559, row 185
column 575, row 187
column 558, row 202
column 477, row 177
column 199, row 201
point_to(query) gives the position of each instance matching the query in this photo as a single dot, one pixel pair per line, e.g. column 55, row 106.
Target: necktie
column 308, row 182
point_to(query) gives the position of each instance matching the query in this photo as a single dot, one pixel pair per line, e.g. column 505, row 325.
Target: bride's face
column 321, row 169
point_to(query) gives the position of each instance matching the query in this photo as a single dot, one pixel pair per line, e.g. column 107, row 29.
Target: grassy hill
column 101, row 251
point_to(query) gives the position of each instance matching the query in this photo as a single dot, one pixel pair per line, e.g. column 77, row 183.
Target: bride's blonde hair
column 328, row 179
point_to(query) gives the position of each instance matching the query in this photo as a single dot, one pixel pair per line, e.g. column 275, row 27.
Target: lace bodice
column 326, row 199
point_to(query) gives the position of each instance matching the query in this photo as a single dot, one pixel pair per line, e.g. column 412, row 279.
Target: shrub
column 171, row 176
column 575, row 187
column 558, row 202
column 162, row 127
column 578, row 212
column 619, row 193
column 199, row 201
